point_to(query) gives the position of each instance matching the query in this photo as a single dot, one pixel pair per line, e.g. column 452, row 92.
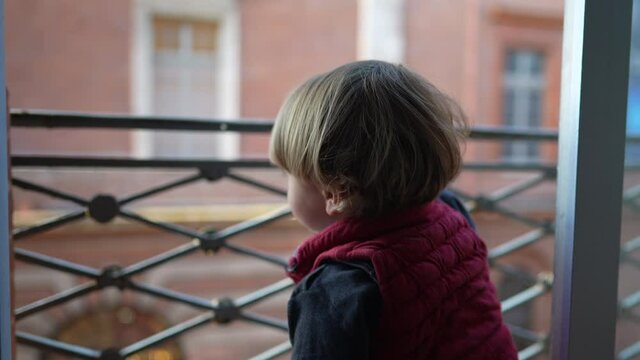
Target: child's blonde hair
column 376, row 133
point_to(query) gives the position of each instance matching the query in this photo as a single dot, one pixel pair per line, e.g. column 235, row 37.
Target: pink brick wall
column 68, row 55
column 283, row 43
column 74, row 55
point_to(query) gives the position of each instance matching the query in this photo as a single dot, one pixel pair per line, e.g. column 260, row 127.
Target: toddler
column 393, row 272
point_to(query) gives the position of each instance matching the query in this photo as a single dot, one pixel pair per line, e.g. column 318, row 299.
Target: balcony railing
column 104, row 208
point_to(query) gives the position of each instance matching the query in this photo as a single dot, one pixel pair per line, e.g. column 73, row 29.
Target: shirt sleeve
column 334, row 312
column 450, row 199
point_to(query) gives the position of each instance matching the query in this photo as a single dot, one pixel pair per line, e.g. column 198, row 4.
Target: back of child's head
column 378, row 134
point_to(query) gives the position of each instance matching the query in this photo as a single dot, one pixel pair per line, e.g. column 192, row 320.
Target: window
column 184, row 61
column 185, row 57
column 523, row 99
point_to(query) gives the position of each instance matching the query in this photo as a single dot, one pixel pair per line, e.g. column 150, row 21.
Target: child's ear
column 334, row 202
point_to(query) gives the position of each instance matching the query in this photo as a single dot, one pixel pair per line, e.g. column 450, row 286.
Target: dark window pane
column 535, row 109
column 510, row 62
column 523, row 88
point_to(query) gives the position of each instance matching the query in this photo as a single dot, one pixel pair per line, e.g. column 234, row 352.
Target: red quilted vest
column 432, row 270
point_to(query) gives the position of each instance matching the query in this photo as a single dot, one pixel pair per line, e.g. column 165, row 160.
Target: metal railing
column 104, row 208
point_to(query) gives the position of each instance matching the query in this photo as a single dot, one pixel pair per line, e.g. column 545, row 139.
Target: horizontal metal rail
column 60, row 119
column 100, row 162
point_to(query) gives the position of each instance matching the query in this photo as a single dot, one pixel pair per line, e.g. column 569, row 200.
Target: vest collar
column 356, row 229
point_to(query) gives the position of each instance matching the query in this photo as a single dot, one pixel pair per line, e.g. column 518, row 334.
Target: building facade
column 237, row 59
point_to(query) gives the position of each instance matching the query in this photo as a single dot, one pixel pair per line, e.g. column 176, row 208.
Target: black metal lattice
column 106, row 207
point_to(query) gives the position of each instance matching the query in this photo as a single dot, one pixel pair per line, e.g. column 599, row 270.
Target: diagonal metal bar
column 159, row 189
column 480, row 202
column 630, row 301
column 55, row 263
column 180, row 230
column 56, row 299
column 631, row 245
column 48, row 224
column 632, row 193
column 524, row 296
column 524, row 276
column 532, row 351
column 26, row 185
column 151, row 262
column 168, row 294
column 167, row 334
column 518, row 188
column 256, row 254
column 250, row 224
column 526, row 334
column 274, row 352
column 217, row 239
column 57, row 346
column 516, row 243
column 257, row 184
column 264, row 320
column 629, row 352
column 263, row 293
